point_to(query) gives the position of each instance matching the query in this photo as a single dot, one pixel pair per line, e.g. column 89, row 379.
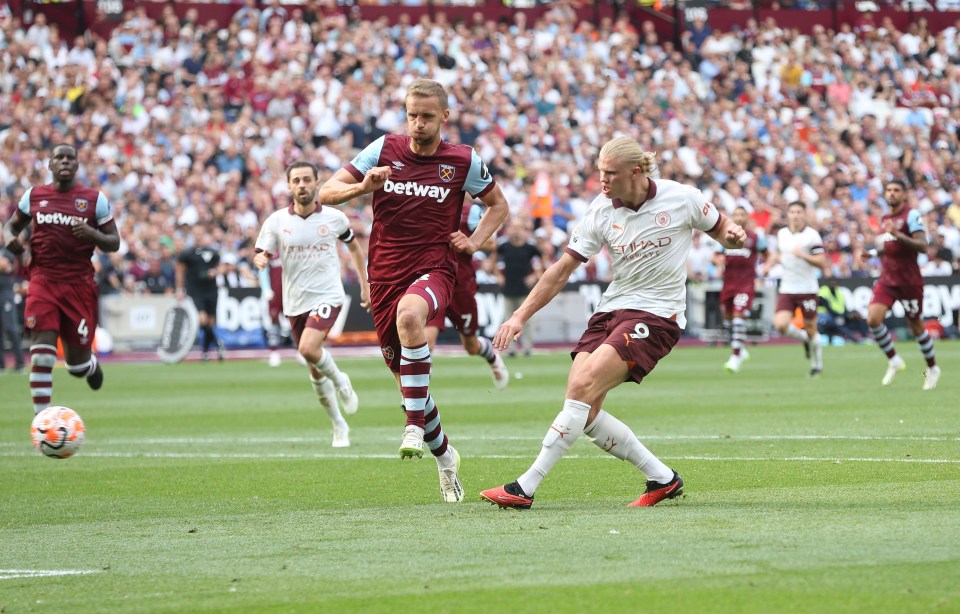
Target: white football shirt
column 648, row 247
column 799, row 276
column 308, row 251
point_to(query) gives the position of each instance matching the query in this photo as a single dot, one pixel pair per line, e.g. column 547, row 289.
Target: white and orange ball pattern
column 57, row 432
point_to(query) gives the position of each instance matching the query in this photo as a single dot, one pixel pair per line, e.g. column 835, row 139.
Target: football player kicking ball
column 305, row 236
column 69, row 221
column 900, row 281
column 647, row 227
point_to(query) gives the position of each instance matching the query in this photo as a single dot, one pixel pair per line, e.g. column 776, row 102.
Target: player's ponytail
column 629, row 150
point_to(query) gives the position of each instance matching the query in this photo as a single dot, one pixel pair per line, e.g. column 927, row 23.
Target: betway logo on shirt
column 412, row 188
column 60, row 218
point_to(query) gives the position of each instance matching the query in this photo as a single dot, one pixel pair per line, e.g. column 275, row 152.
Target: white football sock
column 796, row 333
column 328, row 367
column 616, row 438
column 565, row 429
column 816, row 352
column 327, row 395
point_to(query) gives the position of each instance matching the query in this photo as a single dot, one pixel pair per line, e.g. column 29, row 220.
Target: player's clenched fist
column 462, row 243
column 84, row 231
column 736, row 236
column 376, row 177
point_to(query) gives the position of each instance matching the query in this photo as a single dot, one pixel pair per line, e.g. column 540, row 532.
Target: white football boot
column 412, row 443
column 349, row 402
column 501, row 376
column 894, row 365
column 450, row 487
column 930, row 377
column 341, row 436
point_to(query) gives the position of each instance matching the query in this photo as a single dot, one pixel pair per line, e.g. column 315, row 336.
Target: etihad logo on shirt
column 60, row 218
column 643, row 248
column 412, row 188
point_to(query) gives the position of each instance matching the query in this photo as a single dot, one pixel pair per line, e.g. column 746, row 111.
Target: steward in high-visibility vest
column 832, row 301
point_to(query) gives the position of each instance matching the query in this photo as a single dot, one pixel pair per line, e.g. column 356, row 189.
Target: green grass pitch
column 213, row 488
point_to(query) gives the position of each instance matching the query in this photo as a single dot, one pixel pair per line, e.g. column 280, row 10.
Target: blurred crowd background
column 187, row 126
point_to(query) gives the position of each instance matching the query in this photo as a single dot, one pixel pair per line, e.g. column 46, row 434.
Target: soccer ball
column 57, row 432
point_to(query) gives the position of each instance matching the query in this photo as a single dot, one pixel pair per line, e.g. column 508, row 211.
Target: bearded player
column 900, row 281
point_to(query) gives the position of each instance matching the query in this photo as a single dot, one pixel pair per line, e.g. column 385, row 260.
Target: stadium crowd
column 186, row 125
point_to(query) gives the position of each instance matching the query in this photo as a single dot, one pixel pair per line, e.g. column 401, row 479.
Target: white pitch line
column 731, row 438
column 805, row 459
column 12, row 574
column 333, row 455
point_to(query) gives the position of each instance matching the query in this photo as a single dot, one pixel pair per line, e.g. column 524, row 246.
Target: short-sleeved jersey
column 198, row 262
column 419, row 206
column 799, row 276
column 740, row 268
column 308, row 253
column 898, row 261
column 648, row 246
column 55, row 253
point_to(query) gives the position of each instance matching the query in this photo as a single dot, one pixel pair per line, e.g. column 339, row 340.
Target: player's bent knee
column 80, row 370
column 584, row 387
column 311, row 354
column 409, row 320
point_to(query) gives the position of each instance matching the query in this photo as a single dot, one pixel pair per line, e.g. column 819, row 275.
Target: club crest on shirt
column 322, row 230
column 81, row 204
column 447, row 172
column 662, row 219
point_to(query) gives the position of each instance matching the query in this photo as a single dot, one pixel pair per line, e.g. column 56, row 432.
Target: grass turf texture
column 213, row 487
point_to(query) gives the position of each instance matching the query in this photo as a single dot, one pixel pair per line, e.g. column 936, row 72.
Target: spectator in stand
column 9, row 321
column 154, row 280
column 161, row 100
column 520, row 266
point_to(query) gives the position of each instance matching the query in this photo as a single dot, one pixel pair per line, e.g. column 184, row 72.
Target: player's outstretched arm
column 549, row 285
column 343, row 186
column 12, row 230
